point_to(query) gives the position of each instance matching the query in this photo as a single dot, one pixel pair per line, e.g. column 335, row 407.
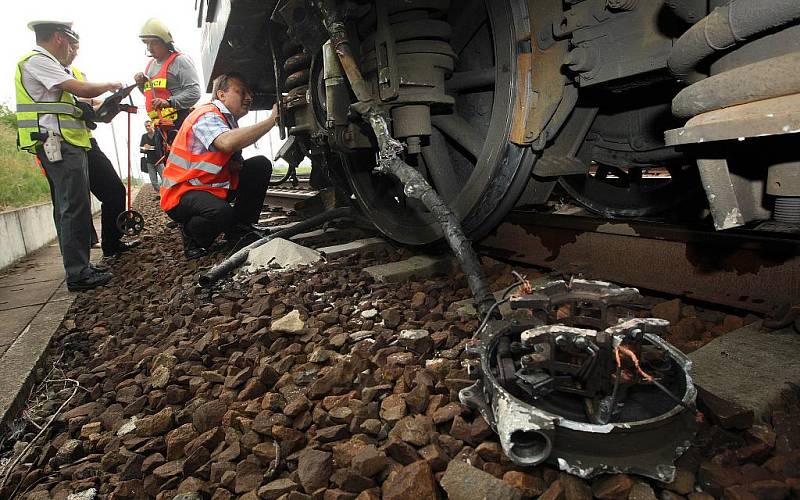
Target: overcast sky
column 110, row 51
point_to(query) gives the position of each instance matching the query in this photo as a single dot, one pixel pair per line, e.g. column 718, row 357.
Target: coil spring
column 787, row 209
column 413, row 82
column 419, row 20
column 297, row 66
column 622, row 4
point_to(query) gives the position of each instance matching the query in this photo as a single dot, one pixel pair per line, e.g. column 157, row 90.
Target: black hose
column 226, row 266
column 724, row 29
column 415, row 186
column 291, row 172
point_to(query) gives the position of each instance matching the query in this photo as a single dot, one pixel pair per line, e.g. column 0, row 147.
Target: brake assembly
column 570, row 389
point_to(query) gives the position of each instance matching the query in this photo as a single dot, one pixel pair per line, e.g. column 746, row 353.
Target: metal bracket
column 542, row 83
column 388, row 73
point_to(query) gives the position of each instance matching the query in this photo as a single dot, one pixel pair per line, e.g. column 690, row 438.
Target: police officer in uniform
column 50, row 126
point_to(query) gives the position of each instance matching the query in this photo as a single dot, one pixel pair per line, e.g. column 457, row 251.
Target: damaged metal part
column 588, row 397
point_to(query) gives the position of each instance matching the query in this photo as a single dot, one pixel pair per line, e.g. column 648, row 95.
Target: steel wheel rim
column 494, row 182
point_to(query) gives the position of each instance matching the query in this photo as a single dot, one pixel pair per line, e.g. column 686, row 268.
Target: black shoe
column 261, row 229
column 191, row 249
column 120, row 247
column 195, row 253
column 92, row 281
column 99, row 268
column 250, row 232
column 239, row 241
column 172, row 224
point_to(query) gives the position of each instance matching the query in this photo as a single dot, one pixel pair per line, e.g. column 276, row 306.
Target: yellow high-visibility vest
column 78, row 74
column 71, row 127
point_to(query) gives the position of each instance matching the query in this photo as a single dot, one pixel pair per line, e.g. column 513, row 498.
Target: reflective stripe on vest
column 186, row 171
column 168, row 183
column 157, row 87
column 223, row 185
column 50, row 107
column 71, row 128
column 63, row 124
column 201, row 165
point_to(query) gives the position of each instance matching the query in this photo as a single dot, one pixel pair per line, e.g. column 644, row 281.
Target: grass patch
column 22, row 183
column 279, row 167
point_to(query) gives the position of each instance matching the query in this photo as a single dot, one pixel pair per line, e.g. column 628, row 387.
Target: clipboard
column 111, row 105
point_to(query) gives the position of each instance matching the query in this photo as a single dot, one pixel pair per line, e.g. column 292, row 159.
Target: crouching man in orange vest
column 205, row 170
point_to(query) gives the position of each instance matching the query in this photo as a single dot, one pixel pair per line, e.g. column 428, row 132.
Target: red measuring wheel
column 130, row 222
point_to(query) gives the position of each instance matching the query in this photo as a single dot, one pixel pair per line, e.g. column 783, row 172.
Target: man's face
column 149, row 127
column 62, row 48
column 72, row 52
column 156, row 48
column 237, row 98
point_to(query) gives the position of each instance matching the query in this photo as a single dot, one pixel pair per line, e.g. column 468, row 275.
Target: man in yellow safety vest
column 50, row 126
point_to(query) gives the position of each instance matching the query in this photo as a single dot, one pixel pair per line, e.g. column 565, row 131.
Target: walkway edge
column 26, row 355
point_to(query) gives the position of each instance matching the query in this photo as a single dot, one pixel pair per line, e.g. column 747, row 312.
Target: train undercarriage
column 438, row 118
column 679, row 109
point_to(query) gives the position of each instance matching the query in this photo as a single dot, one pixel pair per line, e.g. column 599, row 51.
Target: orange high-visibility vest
column 186, row 171
column 157, row 87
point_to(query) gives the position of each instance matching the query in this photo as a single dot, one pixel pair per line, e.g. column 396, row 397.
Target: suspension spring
column 407, row 59
column 297, row 67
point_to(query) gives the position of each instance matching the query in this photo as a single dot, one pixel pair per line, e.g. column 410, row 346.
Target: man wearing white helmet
column 50, row 125
column 169, row 83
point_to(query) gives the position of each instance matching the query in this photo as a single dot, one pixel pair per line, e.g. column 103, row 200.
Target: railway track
column 157, row 368
column 286, row 195
column 749, row 270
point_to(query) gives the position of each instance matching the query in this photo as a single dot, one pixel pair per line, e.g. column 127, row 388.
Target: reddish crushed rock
column 354, row 413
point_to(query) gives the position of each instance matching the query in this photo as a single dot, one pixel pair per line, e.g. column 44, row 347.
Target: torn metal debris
column 587, row 397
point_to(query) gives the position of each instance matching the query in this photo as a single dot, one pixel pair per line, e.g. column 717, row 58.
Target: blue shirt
column 210, row 126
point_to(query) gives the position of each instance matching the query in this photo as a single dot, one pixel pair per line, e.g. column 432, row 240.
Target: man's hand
column 159, row 103
column 113, row 86
column 147, row 147
column 237, row 139
column 275, row 113
column 84, row 89
column 140, row 78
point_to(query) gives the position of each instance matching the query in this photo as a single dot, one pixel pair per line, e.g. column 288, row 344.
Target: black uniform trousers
column 206, row 216
column 72, row 212
column 106, row 185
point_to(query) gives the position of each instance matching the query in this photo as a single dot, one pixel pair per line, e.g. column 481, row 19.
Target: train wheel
column 468, row 158
column 633, row 192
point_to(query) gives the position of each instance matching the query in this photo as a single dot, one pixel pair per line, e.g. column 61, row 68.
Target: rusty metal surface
column 739, row 269
column 777, row 116
column 721, row 193
column 546, row 87
column 774, row 77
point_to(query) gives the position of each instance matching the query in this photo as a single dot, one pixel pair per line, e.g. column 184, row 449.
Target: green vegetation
column 22, row 183
column 279, row 167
